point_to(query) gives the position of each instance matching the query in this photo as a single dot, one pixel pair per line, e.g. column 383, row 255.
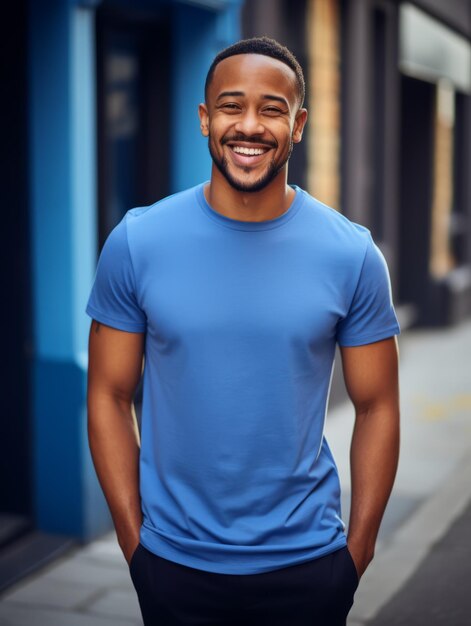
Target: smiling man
column 227, row 503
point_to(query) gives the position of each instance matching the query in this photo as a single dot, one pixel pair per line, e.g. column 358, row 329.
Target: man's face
column 252, row 118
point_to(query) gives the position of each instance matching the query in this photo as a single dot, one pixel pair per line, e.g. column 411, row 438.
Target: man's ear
column 299, row 123
column 204, row 119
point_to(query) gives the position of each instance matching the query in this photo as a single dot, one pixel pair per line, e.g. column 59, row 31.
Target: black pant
column 317, row 593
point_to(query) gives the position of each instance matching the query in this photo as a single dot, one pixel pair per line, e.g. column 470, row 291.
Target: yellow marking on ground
column 434, row 412
column 440, row 410
column 462, row 402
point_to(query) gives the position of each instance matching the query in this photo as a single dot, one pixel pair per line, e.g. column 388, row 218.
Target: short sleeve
column 371, row 316
column 113, row 298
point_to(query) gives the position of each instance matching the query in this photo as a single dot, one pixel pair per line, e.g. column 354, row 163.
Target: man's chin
column 248, row 186
column 250, row 183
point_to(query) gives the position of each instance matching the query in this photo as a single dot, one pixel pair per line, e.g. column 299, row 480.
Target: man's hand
column 115, row 365
column 371, row 378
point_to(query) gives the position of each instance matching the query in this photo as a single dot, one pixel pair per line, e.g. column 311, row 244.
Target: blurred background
column 99, row 112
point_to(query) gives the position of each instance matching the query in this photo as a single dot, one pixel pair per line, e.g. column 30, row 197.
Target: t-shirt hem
column 254, row 564
column 370, row 338
column 110, row 321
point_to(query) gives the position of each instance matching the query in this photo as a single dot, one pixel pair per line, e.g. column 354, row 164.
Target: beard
column 265, row 179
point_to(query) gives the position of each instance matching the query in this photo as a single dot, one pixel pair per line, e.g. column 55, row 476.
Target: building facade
column 101, row 115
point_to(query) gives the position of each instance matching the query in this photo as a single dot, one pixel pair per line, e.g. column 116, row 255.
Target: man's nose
column 250, row 124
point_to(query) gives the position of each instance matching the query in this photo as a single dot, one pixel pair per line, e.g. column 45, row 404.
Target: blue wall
column 68, row 499
column 63, row 236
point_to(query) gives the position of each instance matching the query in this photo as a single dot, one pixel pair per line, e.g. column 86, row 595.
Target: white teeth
column 248, row 151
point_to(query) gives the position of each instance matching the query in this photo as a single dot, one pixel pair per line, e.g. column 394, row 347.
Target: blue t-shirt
column 241, row 322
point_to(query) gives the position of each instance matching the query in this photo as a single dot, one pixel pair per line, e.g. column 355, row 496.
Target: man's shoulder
column 335, row 225
column 178, row 200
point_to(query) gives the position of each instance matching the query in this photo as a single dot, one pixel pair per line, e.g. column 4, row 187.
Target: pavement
column 422, row 568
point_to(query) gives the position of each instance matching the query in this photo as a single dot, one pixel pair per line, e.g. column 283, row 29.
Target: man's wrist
column 362, row 553
column 128, row 545
column 128, row 534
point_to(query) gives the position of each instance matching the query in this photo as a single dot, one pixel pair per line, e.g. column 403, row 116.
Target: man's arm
column 115, row 364
column 371, row 378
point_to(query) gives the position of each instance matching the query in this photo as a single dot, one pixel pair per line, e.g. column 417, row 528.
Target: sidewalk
column 87, row 587
column 439, row 590
column 424, row 538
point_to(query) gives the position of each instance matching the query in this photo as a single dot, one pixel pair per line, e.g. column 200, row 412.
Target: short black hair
column 260, row 45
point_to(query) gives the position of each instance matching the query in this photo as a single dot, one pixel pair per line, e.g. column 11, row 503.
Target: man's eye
column 231, row 106
column 273, row 110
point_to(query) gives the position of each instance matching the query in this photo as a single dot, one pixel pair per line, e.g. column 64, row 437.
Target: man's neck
column 258, row 206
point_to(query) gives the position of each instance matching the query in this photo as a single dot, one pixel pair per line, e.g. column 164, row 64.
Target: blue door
column 133, row 86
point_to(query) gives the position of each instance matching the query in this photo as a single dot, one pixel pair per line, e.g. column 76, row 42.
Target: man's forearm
column 374, row 458
column 114, row 444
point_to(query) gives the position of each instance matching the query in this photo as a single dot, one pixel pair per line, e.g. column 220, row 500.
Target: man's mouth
column 248, row 151
column 244, row 154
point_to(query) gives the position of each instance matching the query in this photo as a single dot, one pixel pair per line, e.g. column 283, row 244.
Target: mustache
column 240, row 137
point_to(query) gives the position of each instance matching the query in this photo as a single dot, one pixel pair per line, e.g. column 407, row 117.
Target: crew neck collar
column 229, row 222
